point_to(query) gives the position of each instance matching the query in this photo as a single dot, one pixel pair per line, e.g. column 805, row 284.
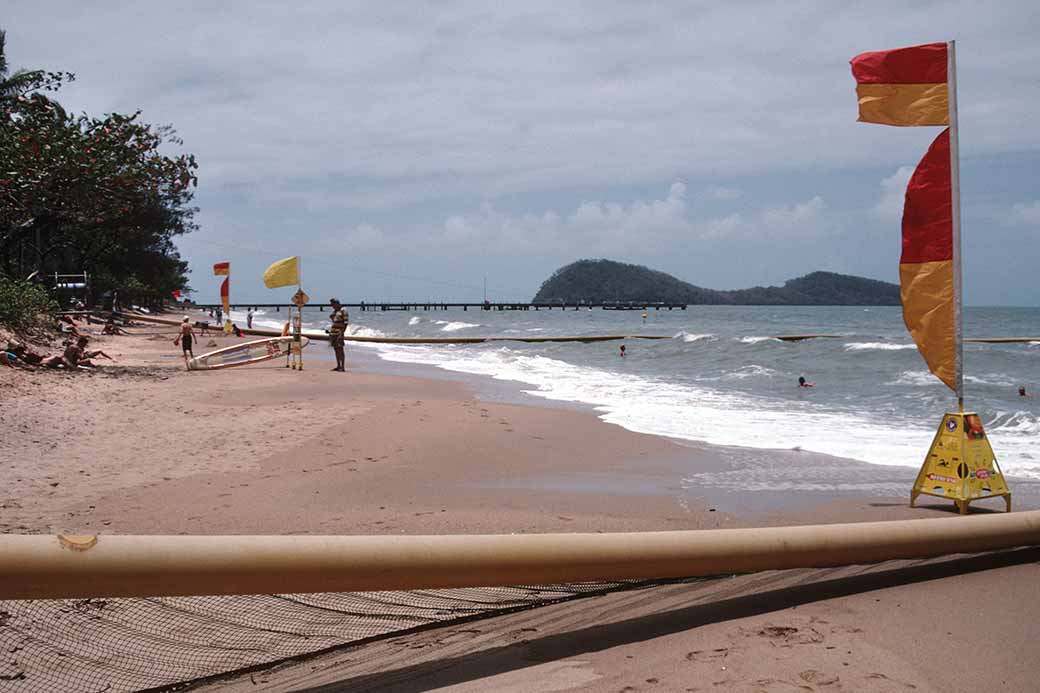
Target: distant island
column 603, row 281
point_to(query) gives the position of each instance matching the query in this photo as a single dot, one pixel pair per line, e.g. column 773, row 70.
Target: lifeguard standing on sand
column 339, row 320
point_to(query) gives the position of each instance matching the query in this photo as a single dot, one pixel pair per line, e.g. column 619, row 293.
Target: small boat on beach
column 242, row 354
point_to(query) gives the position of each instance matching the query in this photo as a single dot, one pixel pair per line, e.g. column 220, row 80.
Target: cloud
column 410, row 103
column 799, row 215
column 534, row 130
column 720, row 193
column 1025, row 214
column 609, row 226
column 893, row 193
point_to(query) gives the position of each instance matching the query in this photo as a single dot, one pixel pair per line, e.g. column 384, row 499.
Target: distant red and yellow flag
column 222, row 269
column 926, row 265
column 225, row 299
column 903, row 86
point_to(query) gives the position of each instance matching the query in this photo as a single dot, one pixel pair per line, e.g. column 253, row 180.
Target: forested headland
column 604, row 281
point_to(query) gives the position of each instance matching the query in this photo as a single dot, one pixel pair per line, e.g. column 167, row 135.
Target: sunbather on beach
column 111, row 328
column 25, row 354
column 76, row 355
column 11, row 360
column 67, row 325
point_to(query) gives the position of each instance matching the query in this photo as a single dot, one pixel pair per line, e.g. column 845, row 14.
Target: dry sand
column 145, row 447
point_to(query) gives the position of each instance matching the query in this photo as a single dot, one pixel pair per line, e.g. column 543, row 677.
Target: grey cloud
column 363, row 123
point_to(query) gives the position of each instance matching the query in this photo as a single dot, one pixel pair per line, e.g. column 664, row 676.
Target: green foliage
column 605, row 281
column 25, row 306
column 80, row 193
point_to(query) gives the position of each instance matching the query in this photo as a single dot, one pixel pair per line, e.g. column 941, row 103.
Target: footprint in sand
column 787, row 636
column 881, row 677
column 707, row 655
column 818, row 678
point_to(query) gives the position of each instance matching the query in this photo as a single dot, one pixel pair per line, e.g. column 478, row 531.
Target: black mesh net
column 154, row 643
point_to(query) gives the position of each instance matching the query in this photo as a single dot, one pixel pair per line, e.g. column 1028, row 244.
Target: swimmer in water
column 1022, row 391
column 621, row 351
column 802, row 382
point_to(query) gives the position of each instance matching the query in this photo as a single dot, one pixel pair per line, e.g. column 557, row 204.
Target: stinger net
column 134, row 644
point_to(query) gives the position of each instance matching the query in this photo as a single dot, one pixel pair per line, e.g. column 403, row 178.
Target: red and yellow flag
column 926, row 265
column 225, row 299
column 222, row 269
column 904, row 86
column 908, row 87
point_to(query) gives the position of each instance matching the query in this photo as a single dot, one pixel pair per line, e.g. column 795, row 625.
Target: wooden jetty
column 416, row 306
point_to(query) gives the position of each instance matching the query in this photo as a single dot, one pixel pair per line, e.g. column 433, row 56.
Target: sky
column 416, row 150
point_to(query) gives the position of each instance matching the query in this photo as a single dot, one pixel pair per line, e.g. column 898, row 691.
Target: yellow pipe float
column 50, row 567
column 423, row 340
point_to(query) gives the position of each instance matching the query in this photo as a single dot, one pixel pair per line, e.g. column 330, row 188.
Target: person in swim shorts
column 339, row 320
column 186, row 338
column 75, row 355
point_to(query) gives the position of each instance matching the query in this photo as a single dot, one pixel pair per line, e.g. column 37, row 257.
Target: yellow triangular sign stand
column 961, row 465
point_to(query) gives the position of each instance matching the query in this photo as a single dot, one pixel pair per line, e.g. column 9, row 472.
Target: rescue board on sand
column 245, row 353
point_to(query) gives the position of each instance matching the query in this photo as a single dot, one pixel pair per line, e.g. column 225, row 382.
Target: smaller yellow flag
column 283, row 273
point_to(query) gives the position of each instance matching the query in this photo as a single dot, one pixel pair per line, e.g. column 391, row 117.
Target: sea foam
column 877, row 346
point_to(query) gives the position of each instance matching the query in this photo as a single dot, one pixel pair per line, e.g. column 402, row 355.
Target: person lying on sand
column 11, row 360
column 111, row 328
column 25, row 354
column 76, row 355
column 68, row 325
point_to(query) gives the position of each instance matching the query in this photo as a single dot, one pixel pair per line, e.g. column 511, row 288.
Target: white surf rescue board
column 245, row 353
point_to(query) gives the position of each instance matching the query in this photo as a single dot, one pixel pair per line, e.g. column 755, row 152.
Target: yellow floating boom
column 800, row 337
column 424, row 340
column 48, row 567
column 575, row 338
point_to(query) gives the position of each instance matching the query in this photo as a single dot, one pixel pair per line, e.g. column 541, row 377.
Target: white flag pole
column 297, row 342
column 955, row 194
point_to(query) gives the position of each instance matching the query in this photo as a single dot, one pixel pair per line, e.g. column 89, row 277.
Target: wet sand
column 145, row 447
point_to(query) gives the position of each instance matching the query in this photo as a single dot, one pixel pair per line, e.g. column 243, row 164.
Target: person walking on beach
column 186, row 337
column 339, row 320
column 249, row 319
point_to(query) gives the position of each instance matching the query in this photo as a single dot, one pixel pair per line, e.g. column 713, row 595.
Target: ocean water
column 721, row 379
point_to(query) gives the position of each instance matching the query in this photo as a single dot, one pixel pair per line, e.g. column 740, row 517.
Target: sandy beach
column 145, row 447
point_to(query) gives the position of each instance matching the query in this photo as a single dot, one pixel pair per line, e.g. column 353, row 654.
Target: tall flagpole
column 955, row 194
column 297, row 342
